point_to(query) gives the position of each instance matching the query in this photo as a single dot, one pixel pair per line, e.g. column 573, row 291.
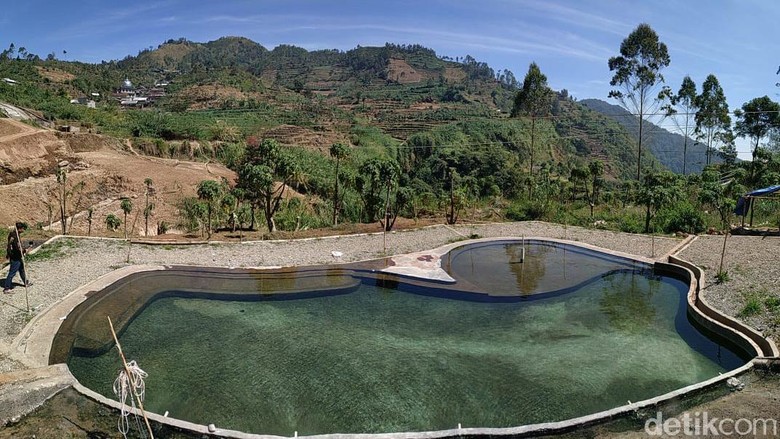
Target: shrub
column 527, row 210
column 162, row 227
column 683, row 218
column 113, row 222
column 631, row 224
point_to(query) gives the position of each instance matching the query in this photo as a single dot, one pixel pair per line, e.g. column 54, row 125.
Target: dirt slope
column 101, row 169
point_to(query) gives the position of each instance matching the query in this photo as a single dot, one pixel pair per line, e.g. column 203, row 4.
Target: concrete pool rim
column 32, row 346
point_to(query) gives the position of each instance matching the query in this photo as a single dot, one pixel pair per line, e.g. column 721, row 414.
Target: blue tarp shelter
column 745, row 202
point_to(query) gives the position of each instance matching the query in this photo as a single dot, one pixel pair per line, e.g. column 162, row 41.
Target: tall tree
column 338, row 151
column 713, row 123
column 637, row 76
column 682, row 109
column 756, row 120
column 534, row 100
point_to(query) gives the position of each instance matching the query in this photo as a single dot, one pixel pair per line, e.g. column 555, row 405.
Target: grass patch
column 722, row 277
column 51, row 251
column 756, row 300
column 751, row 308
column 772, row 303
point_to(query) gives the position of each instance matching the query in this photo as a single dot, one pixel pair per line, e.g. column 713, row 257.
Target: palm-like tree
column 127, row 206
column 208, row 191
column 338, row 151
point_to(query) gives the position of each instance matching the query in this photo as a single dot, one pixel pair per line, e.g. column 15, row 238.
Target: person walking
column 14, row 253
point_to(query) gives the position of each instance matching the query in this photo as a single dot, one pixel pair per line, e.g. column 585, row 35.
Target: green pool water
column 380, row 360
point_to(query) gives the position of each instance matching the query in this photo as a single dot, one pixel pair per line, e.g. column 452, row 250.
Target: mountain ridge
column 665, row 145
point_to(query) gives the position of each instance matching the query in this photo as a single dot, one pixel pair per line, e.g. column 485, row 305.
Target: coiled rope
column 125, row 386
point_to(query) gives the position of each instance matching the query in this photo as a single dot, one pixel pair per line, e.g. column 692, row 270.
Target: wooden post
column 24, row 267
column 653, row 245
column 723, row 252
column 129, row 377
column 130, row 241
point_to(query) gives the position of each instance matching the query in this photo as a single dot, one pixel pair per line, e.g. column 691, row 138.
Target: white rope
column 125, row 386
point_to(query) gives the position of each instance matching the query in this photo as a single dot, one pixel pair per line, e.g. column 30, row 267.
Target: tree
column 148, row 207
column 64, row 194
column 659, row 190
column 682, row 109
column 90, row 211
column 579, row 175
column 637, row 76
column 127, row 206
column 113, row 222
column 264, row 162
column 208, row 191
column 756, row 120
column 389, row 174
column 719, row 197
column 376, row 175
column 191, row 213
column 452, row 216
column 596, row 169
column 338, row 151
column 534, row 100
column 229, row 206
column 62, row 178
column 713, row 123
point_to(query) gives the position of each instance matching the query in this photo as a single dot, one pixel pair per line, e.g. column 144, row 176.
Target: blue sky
column 570, row 40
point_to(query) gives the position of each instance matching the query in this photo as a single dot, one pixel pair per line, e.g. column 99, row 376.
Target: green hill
column 364, row 96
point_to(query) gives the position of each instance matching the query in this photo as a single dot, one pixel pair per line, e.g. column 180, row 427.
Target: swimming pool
column 565, row 332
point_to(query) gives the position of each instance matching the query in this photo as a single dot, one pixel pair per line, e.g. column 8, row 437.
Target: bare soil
column 204, row 97
column 400, row 71
column 108, row 171
column 54, row 74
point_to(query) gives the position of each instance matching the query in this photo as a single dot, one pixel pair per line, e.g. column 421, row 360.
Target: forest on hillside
column 374, row 133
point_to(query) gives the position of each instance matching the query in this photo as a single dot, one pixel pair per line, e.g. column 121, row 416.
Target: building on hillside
column 126, row 88
column 84, row 101
column 129, row 95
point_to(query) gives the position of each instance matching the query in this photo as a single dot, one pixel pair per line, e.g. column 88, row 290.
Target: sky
column 571, row 41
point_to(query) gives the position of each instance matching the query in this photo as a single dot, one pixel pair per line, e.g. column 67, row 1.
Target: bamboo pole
column 129, row 377
column 130, row 240
column 26, row 279
column 723, row 253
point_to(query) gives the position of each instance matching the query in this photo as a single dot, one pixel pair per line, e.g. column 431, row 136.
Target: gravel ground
column 754, row 277
column 83, row 260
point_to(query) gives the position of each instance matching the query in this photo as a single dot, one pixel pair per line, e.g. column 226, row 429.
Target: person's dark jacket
column 14, row 249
